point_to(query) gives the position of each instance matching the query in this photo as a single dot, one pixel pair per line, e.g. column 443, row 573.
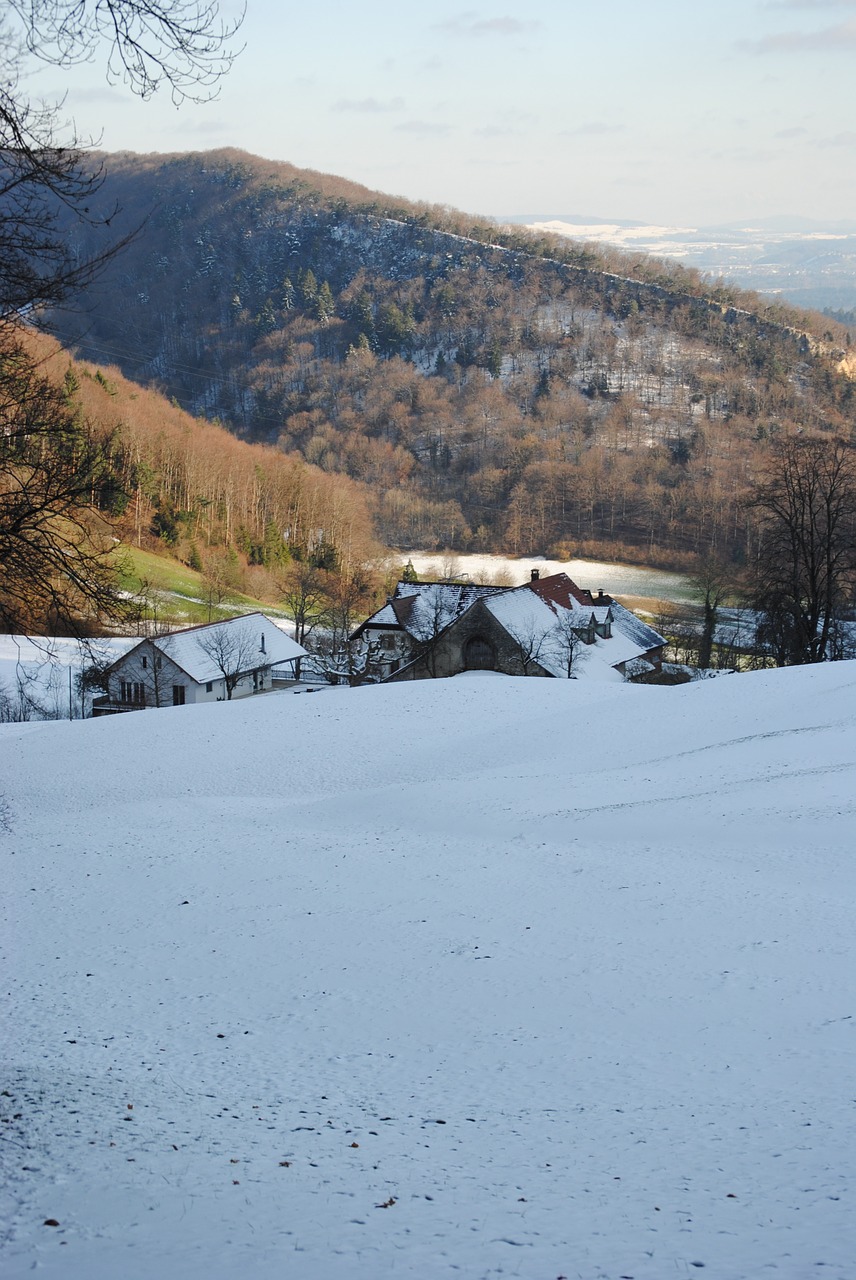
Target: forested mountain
column 493, row 390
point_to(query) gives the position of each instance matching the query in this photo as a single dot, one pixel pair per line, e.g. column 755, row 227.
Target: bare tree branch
column 180, row 44
column 48, row 184
column 233, row 649
column 804, row 576
column 57, row 564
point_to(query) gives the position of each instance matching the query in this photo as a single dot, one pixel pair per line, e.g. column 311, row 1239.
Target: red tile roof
column 559, row 589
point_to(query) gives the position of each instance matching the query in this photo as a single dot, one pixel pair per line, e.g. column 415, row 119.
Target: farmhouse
column 211, row 663
column 547, row 627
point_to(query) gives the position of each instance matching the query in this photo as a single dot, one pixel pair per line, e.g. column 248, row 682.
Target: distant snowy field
column 471, row 978
column 38, row 675
column 592, row 575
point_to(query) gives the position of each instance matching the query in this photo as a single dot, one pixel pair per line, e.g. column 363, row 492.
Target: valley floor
column 470, row 978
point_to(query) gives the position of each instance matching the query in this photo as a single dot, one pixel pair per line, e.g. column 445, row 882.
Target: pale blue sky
column 679, row 112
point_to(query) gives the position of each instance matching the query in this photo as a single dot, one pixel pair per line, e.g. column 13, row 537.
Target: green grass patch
column 176, row 594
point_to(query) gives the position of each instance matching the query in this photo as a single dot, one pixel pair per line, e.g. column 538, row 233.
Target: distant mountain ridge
column 794, row 223
column 778, row 255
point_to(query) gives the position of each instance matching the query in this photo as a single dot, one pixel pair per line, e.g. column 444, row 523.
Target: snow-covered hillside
column 479, row 977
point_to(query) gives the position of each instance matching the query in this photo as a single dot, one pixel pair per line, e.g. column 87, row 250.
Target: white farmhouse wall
column 156, row 675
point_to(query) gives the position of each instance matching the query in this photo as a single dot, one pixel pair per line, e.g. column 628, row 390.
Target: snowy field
column 478, row 978
column 38, row 675
column 591, row 575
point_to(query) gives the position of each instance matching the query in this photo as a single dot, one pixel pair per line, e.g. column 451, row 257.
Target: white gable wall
column 148, row 670
column 145, row 669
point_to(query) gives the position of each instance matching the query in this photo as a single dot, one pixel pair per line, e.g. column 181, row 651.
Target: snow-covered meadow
column 39, row 675
column 478, row 977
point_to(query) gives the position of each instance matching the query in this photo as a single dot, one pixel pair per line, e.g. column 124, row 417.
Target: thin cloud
column 212, row 128
column 369, row 106
column 810, row 4
column 791, row 133
column 838, row 39
column 89, row 97
column 592, row 129
column 467, row 24
column 424, row 128
column 493, row 131
column 847, row 139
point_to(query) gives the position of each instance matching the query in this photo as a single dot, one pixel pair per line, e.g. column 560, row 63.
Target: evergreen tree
column 325, row 305
column 308, row 288
column 265, row 321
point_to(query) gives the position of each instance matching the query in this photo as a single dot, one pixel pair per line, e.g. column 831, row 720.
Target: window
column 158, row 662
column 479, row 655
column 262, row 645
column 178, row 695
column 388, row 643
column 133, row 693
column 209, row 688
column 145, row 662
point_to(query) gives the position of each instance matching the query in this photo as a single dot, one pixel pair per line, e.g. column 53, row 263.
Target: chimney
column 535, row 575
column 600, row 596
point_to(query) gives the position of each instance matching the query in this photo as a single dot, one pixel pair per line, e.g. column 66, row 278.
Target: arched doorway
column 479, row 655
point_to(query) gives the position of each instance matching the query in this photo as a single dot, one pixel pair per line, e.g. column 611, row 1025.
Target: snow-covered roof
column 525, row 616
column 385, row 617
column 634, row 628
column 540, row 614
column 246, row 643
column 423, row 609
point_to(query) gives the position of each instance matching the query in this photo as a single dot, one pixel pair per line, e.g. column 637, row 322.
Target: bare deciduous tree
column 568, row 644
column 433, row 610
column 233, row 648
column 57, row 563
column 304, row 593
column 45, row 180
column 534, row 643
column 179, row 44
column 711, row 583
column 804, row 575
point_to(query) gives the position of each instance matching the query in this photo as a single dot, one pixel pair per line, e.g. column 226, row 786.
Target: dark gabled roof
column 559, row 589
column 422, row 607
column 456, row 596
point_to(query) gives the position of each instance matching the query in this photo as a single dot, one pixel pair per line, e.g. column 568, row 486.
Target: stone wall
column 446, row 656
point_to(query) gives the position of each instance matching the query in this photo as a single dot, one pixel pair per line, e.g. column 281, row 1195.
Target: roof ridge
column 201, row 626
